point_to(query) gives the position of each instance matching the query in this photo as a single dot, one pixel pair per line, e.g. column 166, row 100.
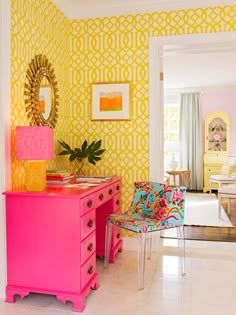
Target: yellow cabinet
column 217, row 145
column 217, row 133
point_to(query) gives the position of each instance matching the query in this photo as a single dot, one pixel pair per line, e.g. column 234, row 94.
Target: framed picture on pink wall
column 110, row 101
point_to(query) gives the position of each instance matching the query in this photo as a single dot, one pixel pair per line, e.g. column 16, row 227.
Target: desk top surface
column 72, row 188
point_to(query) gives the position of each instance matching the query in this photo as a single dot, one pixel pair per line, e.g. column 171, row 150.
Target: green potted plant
column 91, row 152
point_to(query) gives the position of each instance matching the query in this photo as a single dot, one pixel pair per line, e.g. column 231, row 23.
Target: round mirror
column 41, row 93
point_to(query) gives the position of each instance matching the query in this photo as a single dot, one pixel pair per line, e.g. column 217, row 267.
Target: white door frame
column 158, row 47
column 5, row 111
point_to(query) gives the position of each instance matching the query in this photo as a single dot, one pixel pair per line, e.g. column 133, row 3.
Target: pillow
column 228, row 169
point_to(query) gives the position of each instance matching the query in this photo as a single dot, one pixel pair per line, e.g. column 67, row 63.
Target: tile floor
column 209, row 287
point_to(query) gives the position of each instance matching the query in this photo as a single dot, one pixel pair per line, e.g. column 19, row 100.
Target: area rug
column 201, row 209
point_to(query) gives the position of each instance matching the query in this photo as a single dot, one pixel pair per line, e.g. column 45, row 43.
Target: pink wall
column 221, row 100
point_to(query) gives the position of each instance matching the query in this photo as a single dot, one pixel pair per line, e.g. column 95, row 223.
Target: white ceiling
column 185, row 66
column 76, row 9
column 200, row 70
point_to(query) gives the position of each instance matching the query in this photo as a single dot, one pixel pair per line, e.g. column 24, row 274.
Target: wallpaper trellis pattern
column 37, row 27
column 114, row 49
column 109, row 49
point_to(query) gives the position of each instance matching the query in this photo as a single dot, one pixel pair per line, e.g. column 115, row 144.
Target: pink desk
column 53, row 238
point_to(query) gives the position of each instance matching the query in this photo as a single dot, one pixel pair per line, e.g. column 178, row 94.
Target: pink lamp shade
column 34, row 143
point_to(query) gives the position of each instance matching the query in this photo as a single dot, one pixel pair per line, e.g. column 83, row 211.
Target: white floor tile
column 208, row 288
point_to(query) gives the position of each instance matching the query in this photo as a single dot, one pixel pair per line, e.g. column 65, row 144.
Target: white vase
column 173, row 164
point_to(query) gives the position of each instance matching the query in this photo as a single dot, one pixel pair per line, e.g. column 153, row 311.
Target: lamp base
column 36, row 175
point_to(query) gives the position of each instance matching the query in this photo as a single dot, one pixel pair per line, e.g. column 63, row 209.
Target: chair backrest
column 229, row 167
column 159, row 202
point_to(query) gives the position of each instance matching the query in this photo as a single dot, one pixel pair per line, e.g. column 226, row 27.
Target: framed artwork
column 110, row 101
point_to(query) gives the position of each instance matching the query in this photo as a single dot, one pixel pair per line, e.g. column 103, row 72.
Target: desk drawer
column 117, row 187
column 88, row 247
column 116, row 202
column 97, row 199
column 88, row 270
column 116, row 231
column 88, row 223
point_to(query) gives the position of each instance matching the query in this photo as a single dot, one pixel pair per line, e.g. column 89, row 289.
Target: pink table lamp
column 35, row 145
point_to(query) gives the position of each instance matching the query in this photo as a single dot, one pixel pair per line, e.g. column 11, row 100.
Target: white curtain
column 190, row 137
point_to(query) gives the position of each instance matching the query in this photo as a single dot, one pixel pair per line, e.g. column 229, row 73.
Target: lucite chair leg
column 141, row 259
column 181, row 241
column 148, row 246
column 107, row 243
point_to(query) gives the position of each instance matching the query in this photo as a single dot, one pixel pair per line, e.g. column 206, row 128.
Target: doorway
column 159, row 47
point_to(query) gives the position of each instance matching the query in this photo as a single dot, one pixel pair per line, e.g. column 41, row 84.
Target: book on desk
column 94, row 179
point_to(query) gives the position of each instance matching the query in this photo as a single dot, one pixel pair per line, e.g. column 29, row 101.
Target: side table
column 184, row 177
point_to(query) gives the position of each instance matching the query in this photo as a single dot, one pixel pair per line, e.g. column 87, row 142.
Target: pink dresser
column 53, row 238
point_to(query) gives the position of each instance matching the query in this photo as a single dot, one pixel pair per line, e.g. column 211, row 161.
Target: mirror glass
column 41, row 93
column 45, row 97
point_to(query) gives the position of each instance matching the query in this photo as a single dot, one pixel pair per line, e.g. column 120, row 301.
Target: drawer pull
column 101, row 197
column 90, row 223
column 118, row 187
column 89, row 203
column 90, row 270
column 117, row 202
column 90, row 247
column 110, row 191
column 118, row 235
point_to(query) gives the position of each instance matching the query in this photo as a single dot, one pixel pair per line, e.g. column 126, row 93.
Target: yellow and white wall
column 109, row 49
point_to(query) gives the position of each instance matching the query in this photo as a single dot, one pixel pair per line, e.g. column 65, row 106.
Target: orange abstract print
column 111, row 101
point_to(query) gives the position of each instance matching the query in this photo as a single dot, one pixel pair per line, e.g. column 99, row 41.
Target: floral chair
column 155, row 207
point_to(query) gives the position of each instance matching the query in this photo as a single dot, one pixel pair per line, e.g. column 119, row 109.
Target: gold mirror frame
column 40, row 68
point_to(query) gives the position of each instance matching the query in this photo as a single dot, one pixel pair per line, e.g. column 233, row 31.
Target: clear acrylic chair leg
column 148, row 246
column 181, row 241
column 107, row 243
column 141, row 259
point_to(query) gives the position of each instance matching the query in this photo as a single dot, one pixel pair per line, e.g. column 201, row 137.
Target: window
column 171, row 133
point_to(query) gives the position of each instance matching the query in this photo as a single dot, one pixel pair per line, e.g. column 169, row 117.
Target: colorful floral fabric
column 155, row 206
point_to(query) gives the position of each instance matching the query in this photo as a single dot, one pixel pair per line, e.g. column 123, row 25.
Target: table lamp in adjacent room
column 35, row 145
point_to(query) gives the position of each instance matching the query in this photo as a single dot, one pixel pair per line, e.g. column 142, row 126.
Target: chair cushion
column 223, row 178
column 155, row 206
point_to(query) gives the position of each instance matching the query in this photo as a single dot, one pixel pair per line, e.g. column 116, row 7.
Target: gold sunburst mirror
column 41, row 93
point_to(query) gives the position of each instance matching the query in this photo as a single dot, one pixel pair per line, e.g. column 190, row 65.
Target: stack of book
column 59, row 176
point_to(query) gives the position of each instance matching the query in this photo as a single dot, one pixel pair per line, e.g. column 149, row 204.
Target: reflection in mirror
column 45, row 97
column 41, row 93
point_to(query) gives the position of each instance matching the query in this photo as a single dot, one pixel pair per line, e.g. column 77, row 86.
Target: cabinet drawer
column 88, row 223
column 88, row 270
column 88, row 247
column 117, row 202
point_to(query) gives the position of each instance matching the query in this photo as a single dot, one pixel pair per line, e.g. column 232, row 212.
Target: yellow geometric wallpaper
column 114, row 49
column 109, row 49
column 37, row 27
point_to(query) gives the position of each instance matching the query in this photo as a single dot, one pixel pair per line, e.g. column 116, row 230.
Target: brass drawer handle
column 90, row 203
column 118, row 235
column 90, row 247
column 90, row 223
column 101, row 197
column 117, row 202
column 110, row 191
column 118, row 187
column 90, row 270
